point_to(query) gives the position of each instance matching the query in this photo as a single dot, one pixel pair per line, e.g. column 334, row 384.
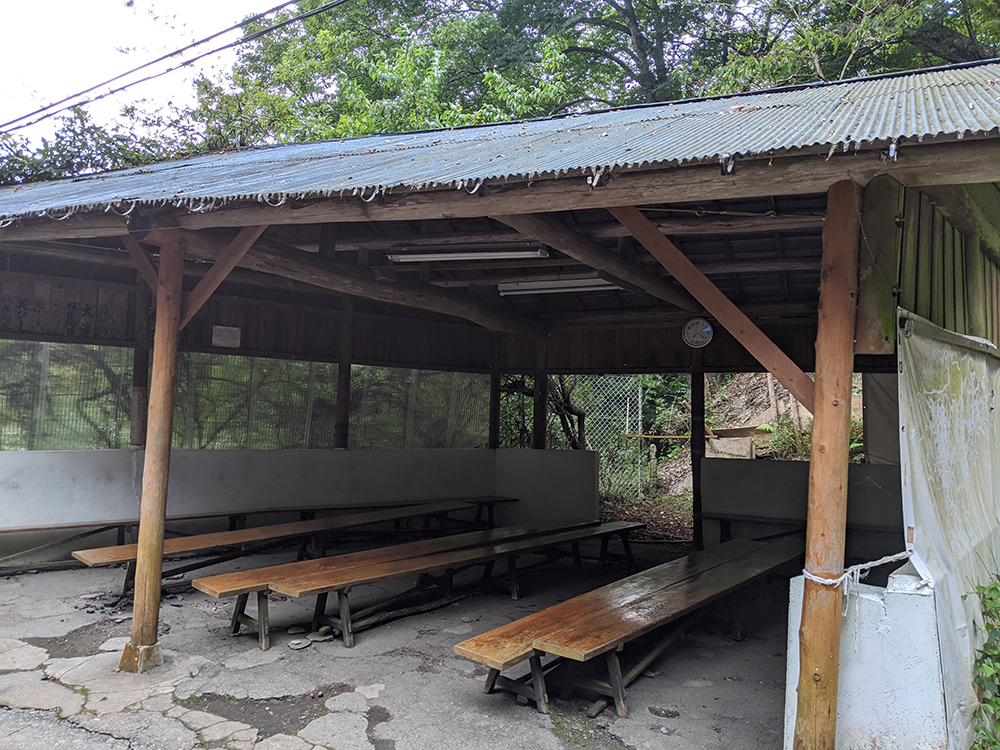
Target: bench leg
column 491, row 681
column 617, row 685
column 577, row 560
column 129, row 578
column 345, row 618
column 627, row 546
column 487, row 576
column 263, row 623
column 604, row 550
column 241, row 607
column 512, row 576
column 538, row 681
column 319, row 612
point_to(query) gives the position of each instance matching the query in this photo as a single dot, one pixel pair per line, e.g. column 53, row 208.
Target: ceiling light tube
column 555, row 287
column 539, row 252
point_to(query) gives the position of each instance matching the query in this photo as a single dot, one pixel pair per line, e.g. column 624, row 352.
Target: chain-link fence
column 610, row 407
column 63, row 396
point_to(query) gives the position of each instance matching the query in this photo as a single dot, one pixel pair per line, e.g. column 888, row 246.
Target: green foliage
column 987, row 676
column 81, row 146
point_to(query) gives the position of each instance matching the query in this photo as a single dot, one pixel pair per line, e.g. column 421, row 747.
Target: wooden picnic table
column 450, row 554
column 259, row 538
column 602, row 621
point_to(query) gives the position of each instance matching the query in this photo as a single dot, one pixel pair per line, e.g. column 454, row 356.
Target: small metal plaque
column 226, row 337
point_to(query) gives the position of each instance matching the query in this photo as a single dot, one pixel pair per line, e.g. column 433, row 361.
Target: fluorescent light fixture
column 536, row 252
column 555, row 286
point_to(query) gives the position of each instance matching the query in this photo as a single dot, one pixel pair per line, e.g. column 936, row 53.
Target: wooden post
column 819, row 635
column 342, row 423
column 140, row 367
column 493, row 440
column 697, row 443
column 143, row 651
column 539, row 421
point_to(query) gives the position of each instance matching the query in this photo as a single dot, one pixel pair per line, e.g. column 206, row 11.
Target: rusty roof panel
column 932, row 103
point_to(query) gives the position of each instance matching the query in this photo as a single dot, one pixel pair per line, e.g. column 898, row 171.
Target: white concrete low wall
column 773, row 496
column 891, row 694
column 63, row 488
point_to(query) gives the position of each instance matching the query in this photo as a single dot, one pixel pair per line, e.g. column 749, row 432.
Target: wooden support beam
column 552, row 232
column 540, row 413
column 141, row 260
column 882, row 240
column 685, row 226
column 698, row 442
column 967, row 161
column 342, row 419
column 226, row 262
column 281, row 260
column 819, row 634
column 140, row 367
column 143, row 651
column 721, row 307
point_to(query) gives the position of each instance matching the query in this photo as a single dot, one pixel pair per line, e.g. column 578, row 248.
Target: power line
column 48, row 111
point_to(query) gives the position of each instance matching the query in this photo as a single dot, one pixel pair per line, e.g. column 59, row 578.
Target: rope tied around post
column 854, row 574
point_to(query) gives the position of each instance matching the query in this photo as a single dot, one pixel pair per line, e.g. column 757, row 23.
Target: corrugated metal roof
column 931, row 103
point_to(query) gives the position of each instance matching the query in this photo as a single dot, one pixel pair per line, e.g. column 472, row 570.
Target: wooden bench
column 484, row 517
column 261, row 537
column 602, row 621
column 242, row 583
column 342, row 581
column 451, row 554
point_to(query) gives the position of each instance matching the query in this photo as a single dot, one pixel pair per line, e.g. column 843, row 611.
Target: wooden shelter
column 795, row 219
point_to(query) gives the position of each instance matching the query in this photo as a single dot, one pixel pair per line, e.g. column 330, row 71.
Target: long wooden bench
column 602, row 621
column 242, row 583
column 261, row 537
column 342, row 581
column 451, row 554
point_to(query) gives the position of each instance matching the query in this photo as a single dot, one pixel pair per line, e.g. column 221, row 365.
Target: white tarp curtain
column 950, row 456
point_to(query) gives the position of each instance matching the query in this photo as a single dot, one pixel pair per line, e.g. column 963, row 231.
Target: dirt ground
column 400, row 688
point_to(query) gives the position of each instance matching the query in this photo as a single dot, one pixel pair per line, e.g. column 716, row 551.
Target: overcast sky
column 54, row 48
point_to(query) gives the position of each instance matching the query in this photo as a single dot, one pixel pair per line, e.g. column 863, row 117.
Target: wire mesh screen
column 395, row 408
column 591, row 411
column 64, row 396
column 229, row 401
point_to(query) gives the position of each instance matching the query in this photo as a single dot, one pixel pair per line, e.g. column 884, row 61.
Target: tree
column 81, row 146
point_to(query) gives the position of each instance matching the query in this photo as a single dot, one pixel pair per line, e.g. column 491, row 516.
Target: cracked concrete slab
column 109, row 690
column 400, row 688
column 32, row 690
column 15, row 654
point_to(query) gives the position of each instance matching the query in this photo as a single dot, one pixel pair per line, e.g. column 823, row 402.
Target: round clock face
column 697, row 333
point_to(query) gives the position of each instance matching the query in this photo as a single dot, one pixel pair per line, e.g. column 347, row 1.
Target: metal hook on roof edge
column 4, row 223
column 112, row 209
column 360, row 192
column 65, row 216
column 263, row 199
column 202, row 207
column 479, row 184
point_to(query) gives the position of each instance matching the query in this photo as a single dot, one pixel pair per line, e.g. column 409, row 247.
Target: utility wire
column 48, row 111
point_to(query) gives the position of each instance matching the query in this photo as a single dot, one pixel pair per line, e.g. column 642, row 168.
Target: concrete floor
column 399, row 688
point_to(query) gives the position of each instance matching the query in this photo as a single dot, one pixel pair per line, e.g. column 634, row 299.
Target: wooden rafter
column 226, row 262
column 281, row 260
column 721, row 307
column 141, row 261
column 552, row 232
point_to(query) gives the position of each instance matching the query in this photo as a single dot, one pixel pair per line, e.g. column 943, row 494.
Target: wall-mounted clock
column 697, row 333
